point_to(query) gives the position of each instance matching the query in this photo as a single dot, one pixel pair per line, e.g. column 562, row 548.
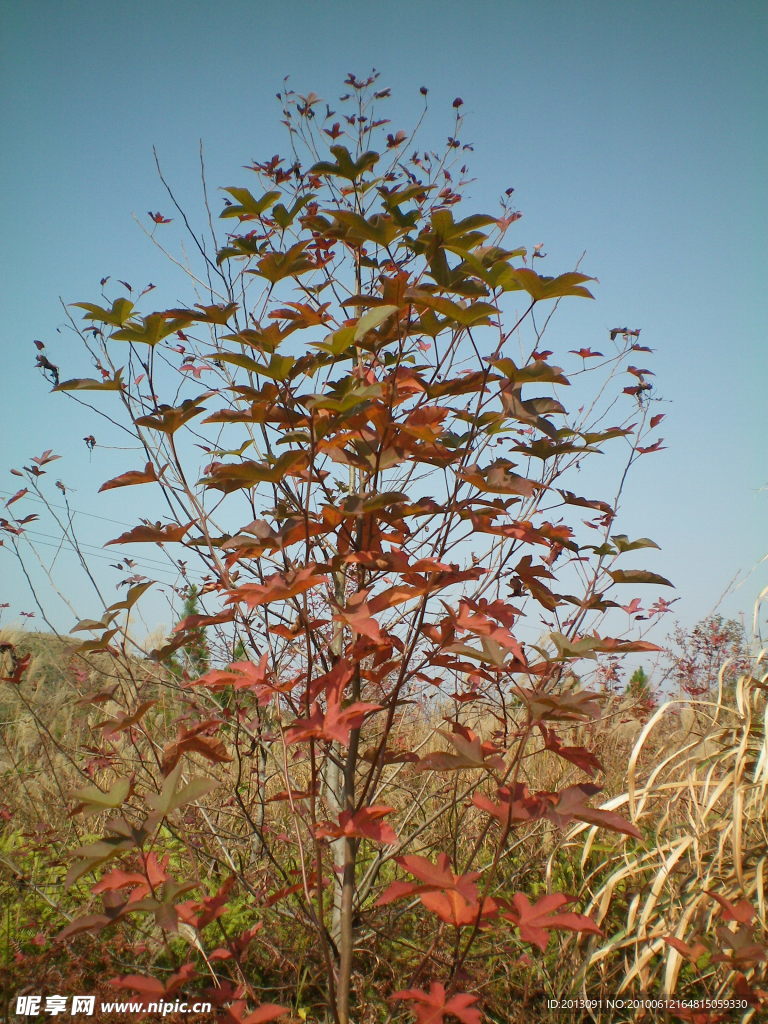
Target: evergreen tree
column 194, row 659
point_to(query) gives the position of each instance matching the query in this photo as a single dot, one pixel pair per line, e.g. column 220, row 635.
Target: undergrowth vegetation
column 372, row 774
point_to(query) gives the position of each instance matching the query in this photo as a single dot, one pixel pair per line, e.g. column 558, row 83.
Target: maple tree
column 383, row 513
column 697, row 656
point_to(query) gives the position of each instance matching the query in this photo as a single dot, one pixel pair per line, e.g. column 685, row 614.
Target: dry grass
column 692, row 776
column 702, row 807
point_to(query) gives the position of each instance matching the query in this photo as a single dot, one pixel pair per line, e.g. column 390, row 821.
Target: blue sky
column 635, row 132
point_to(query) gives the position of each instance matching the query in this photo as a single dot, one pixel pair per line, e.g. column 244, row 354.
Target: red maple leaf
column 585, row 353
column 365, row 824
column 152, row 532
column 19, row 664
column 17, row 495
column 151, row 986
column 242, row 675
column 357, row 615
column 236, row 1014
column 196, row 371
column 278, row 587
column 194, row 739
column 692, row 953
column 515, row 804
column 743, row 911
column 333, row 723
column 393, row 141
column 431, row 1007
column 454, row 898
column 657, row 446
column 580, row 756
column 141, row 884
column 571, row 803
column 158, row 218
column 535, row 920
column 481, row 625
column 45, row 458
column 471, row 752
column 199, row 913
column 133, row 476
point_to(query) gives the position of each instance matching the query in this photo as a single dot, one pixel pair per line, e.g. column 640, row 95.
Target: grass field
column 681, row 911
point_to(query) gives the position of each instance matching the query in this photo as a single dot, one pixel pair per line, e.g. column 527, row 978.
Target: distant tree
column 698, row 655
column 639, row 687
column 194, row 658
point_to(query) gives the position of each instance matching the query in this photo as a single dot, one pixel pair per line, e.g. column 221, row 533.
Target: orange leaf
column 431, row 1007
column 536, row 920
column 152, row 532
column 266, row 1012
column 133, row 476
column 279, row 587
column 470, row 753
column 193, row 741
column 364, row 824
column 454, row 898
column 571, row 803
column 123, row 721
column 357, row 616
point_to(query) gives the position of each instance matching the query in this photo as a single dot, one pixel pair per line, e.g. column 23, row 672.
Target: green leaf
column 248, row 206
column 540, row 288
column 623, row 543
column 544, row 448
column 474, row 314
column 354, row 229
column 239, row 359
column 96, row 646
column 131, row 597
column 539, row 371
column 152, row 328
column 278, row 368
column 363, row 504
column 91, row 624
column 116, row 316
column 242, row 246
column 277, row 265
column 344, row 399
column 286, row 217
column 596, row 437
column 493, row 653
column 391, row 200
column 263, row 339
column 638, row 576
column 91, row 800
column 173, row 796
column 217, row 313
column 372, row 319
column 95, row 854
column 345, row 166
column 589, row 646
column 470, row 223
column 340, row 341
column 168, row 420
